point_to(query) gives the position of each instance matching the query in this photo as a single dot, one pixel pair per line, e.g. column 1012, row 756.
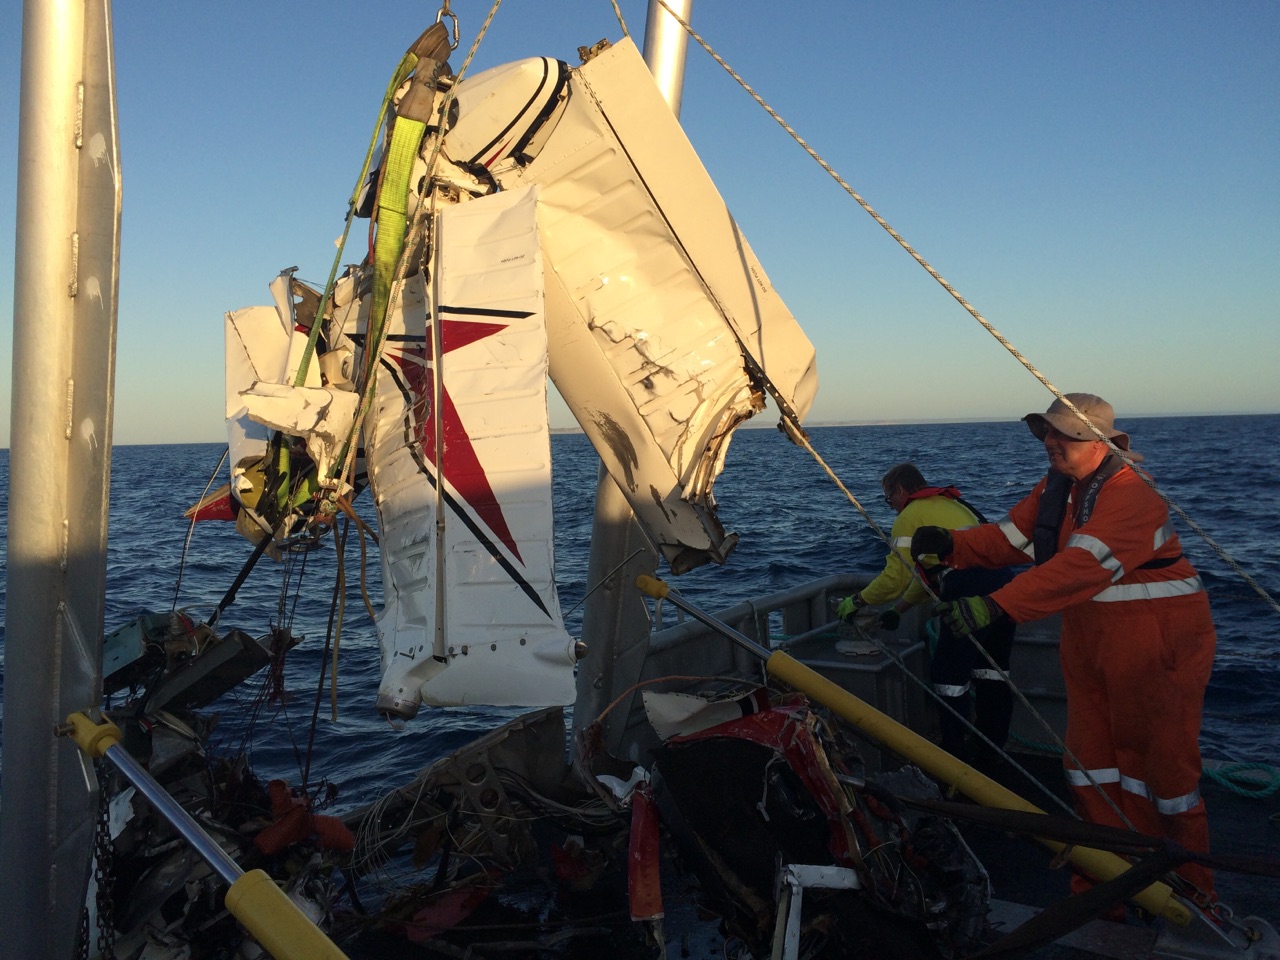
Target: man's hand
column 848, row 608
column 890, row 619
column 931, row 540
column 968, row 614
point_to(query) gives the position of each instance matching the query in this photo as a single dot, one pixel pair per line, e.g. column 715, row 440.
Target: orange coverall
column 1137, row 649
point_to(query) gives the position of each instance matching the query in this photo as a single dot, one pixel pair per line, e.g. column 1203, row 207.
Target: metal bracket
column 1249, row 939
column 792, row 881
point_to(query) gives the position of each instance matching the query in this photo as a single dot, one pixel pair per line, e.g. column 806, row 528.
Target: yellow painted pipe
column 1157, row 899
column 253, row 898
column 275, row 921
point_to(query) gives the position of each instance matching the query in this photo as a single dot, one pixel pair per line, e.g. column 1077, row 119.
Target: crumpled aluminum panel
column 654, row 299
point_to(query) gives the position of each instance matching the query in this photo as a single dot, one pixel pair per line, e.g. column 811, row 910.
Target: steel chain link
column 104, row 870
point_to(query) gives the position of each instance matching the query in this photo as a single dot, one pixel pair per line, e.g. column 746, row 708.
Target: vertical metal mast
column 66, row 275
column 665, row 45
column 615, row 623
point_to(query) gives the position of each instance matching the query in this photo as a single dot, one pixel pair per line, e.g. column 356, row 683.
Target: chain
column 82, row 949
column 104, row 870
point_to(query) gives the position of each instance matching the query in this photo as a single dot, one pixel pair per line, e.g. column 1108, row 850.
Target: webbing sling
column 392, row 220
column 405, row 68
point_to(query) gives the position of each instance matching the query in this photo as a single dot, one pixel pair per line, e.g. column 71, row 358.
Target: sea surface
column 794, row 525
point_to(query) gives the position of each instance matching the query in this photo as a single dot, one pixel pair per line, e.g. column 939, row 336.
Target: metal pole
column 615, row 626
column 665, row 46
column 266, row 911
column 169, row 808
column 64, row 317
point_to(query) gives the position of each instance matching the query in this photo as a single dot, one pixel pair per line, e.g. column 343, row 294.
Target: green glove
column 931, row 540
column 848, row 608
column 890, row 619
column 968, row 614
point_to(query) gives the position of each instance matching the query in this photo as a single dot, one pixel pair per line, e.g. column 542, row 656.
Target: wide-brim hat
column 1061, row 418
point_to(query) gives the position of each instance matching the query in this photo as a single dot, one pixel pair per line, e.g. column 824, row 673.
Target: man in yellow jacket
column 957, row 665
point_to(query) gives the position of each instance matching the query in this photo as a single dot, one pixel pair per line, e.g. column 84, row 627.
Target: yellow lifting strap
column 392, row 219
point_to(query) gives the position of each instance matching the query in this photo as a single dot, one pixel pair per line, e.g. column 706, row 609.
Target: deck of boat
column 1023, row 880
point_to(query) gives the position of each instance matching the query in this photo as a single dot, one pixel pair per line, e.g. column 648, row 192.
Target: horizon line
column 817, row 425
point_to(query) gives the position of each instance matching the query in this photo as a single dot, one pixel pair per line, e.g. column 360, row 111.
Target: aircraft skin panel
column 256, row 347
column 503, row 638
column 608, row 260
column 654, row 327
column 690, row 203
column 604, row 410
column 648, row 317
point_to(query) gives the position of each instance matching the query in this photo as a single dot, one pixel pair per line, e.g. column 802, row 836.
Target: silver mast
column 66, row 276
column 615, row 623
column 665, row 46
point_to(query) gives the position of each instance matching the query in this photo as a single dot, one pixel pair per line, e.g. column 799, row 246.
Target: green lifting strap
column 393, row 207
column 407, row 65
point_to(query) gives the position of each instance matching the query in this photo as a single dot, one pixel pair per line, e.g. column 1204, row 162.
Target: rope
column 186, row 544
column 603, row 580
column 797, row 433
column 617, row 12
column 986, row 324
column 800, row 438
column 1234, row 777
column 332, row 633
column 340, row 544
column 1035, row 744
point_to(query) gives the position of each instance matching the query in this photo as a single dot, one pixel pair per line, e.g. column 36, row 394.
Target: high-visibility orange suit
column 1137, row 646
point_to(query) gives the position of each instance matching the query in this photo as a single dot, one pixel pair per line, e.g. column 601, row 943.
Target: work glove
column 890, row 619
column 968, row 614
column 848, row 608
column 931, row 540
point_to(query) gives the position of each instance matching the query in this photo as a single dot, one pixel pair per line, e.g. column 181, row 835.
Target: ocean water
column 794, row 525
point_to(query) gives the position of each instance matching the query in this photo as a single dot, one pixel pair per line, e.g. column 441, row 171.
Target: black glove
column 931, row 540
column 968, row 615
column 890, row 619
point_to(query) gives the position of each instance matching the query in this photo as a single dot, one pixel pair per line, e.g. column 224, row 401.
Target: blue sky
column 1099, row 179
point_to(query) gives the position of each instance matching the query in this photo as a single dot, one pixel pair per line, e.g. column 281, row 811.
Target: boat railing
column 687, row 656
column 769, row 620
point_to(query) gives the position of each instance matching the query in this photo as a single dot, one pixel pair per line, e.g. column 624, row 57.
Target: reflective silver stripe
column 901, row 543
column 1080, row 778
column 949, row 690
column 1174, row 805
column 985, row 674
column 1135, row 786
column 1188, row 801
column 1180, row 804
column 1150, row 591
column 1163, row 535
column 1017, row 539
column 1099, row 551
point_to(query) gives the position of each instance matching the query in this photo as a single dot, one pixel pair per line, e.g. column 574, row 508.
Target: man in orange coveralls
column 1137, row 637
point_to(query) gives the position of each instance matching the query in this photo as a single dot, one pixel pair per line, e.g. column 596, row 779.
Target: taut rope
column 972, row 311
